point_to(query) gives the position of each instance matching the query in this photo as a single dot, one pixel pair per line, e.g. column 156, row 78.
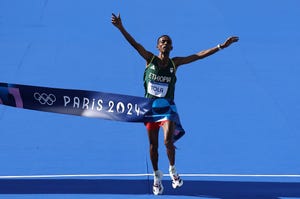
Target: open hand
column 116, row 20
column 229, row 41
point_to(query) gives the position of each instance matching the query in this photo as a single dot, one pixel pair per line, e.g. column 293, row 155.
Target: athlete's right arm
column 116, row 21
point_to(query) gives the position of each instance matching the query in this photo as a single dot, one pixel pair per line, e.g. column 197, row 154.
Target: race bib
column 157, row 89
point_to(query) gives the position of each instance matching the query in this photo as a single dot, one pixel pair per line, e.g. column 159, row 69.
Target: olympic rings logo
column 44, row 98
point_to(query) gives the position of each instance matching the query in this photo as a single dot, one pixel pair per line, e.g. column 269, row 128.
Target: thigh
column 153, row 136
column 168, row 127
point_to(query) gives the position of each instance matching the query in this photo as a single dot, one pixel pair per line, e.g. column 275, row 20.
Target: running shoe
column 176, row 180
column 157, row 185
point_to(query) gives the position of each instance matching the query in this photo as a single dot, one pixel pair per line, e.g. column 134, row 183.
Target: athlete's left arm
column 178, row 61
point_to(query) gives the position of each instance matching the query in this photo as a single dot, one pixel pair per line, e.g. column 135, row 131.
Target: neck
column 163, row 56
column 164, row 60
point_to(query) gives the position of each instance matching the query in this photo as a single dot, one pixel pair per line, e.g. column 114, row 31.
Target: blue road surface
column 141, row 188
column 240, row 107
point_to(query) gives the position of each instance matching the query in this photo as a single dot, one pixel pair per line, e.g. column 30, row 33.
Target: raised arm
column 117, row 22
column 205, row 53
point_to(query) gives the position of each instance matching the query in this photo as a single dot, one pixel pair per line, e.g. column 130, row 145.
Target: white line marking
column 243, row 175
column 147, row 174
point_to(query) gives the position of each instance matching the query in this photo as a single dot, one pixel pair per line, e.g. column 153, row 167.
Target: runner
column 159, row 82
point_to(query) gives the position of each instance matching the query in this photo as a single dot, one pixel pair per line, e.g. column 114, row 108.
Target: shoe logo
column 45, row 98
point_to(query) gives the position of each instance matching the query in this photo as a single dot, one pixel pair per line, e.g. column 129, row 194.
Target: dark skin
column 164, row 46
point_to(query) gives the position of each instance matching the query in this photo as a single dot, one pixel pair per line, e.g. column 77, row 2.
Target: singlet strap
column 173, row 64
column 151, row 60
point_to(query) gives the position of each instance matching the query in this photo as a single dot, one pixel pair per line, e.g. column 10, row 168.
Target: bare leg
column 169, row 128
column 153, row 140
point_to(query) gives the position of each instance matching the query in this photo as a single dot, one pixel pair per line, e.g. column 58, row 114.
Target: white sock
column 156, row 174
column 172, row 169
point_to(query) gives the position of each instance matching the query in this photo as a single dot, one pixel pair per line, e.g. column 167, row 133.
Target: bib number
column 157, row 89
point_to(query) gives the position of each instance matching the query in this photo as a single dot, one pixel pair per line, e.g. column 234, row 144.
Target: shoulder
column 150, row 61
column 174, row 62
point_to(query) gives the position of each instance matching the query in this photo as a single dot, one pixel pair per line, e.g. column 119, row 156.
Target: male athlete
column 159, row 82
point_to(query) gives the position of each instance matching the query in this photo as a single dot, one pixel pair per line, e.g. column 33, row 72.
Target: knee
column 153, row 147
column 169, row 144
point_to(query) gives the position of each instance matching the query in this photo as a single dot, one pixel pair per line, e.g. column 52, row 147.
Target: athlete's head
column 164, row 43
column 165, row 37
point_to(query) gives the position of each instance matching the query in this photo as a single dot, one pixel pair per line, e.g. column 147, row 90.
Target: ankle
column 156, row 172
column 172, row 169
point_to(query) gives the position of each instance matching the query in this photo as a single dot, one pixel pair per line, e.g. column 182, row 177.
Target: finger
column 114, row 16
column 235, row 38
column 232, row 39
column 119, row 15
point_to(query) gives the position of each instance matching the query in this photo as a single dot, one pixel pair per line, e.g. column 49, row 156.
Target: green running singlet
column 159, row 82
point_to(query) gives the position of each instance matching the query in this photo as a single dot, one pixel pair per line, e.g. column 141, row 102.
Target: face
column 164, row 44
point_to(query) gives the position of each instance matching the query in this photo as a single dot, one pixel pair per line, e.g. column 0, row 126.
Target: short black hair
column 163, row 36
